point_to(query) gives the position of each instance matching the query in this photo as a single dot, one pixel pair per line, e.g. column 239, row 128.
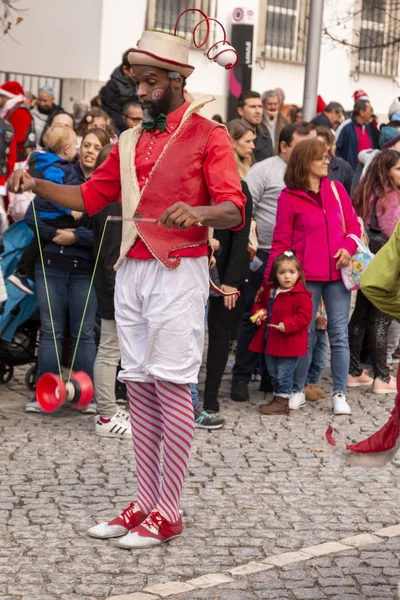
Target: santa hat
column 320, row 104
column 164, row 51
column 11, row 89
column 360, row 95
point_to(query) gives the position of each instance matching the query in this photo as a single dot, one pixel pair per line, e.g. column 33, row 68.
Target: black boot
column 240, row 390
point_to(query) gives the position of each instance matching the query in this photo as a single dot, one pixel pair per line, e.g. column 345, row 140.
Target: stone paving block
column 326, row 548
column 171, row 587
column 209, row 580
column 250, row 568
column 286, row 559
column 393, row 531
column 363, row 539
column 135, row 596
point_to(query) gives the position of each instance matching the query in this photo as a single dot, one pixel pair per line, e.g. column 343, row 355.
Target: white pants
column 160, row 319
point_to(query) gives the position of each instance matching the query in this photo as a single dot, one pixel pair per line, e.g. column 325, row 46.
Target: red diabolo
column 52, row 392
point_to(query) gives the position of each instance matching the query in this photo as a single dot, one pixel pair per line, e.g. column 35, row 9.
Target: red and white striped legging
column 161, row 411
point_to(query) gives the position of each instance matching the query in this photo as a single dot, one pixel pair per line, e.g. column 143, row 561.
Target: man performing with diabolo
column 176, row 176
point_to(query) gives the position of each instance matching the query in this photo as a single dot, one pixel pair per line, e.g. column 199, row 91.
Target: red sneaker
column 153, row 531
column 129, row 518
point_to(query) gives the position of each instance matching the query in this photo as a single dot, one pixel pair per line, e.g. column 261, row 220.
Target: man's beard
column 45, row 110
column 158, row 107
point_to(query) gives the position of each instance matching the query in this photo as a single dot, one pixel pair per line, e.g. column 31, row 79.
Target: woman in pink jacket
column 315, row 218
column 377, row 201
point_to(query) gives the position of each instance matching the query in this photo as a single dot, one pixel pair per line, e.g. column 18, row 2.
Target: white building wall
column 81, row 41
column 56, row 38
column 122, row 24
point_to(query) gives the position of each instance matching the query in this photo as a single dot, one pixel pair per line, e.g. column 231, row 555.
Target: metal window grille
column 379, row 28
column 163, row 14
column 285, row 30
column 32, row 83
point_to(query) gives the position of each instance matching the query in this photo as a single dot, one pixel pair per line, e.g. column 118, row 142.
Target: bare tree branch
column 355, row 47
column 10, row 15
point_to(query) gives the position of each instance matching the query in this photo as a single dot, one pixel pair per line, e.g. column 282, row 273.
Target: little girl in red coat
column 283, row 310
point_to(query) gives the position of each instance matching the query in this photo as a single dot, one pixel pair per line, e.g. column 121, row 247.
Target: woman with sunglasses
column 315, row 219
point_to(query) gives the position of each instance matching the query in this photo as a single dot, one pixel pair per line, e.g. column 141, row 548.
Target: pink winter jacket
column 314, row 232
column 387, row 221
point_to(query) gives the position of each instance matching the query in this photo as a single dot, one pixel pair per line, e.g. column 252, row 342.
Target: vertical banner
column 242, row 39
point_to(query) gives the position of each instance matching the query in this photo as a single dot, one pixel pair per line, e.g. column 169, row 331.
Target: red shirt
column 364, row 141
column 219, row 171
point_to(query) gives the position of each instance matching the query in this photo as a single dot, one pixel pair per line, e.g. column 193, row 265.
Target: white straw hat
column 162, row 50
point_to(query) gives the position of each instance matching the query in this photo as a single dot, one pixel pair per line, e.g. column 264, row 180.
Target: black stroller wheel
column 6, row 373
column 30, row 377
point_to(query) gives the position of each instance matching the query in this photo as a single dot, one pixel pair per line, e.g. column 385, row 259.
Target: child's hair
column 103, row 154
column 57, row 137
column 290, row 256
column 88, row 118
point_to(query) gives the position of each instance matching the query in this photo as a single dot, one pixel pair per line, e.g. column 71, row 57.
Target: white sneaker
column 122, row 415
column 340, row 405
column 117, row 427
column 297, row 400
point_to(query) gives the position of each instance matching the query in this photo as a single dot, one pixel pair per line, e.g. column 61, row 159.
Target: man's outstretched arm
column 68, row 196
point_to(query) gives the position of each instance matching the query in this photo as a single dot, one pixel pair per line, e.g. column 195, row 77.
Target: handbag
column 351, row 274
column 377, row 238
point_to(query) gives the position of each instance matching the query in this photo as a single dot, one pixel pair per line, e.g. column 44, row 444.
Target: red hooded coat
column 294, row 309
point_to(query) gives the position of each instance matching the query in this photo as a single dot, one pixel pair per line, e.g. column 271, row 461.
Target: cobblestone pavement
column 261, row 486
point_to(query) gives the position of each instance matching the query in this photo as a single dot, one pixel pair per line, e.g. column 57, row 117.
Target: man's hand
column 180, row 216
column 229, row 301
column 75, row 214
column 215, row 245
column 20, row 181
column 344, row 258
column 64, row 237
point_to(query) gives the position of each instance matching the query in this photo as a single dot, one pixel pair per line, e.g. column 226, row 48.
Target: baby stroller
column 19, row 317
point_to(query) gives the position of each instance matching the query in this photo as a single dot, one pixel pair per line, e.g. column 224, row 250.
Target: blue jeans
column 195, row 394
column 68, row 292
column 319, row 356
column 281, row 370
column 337, row 304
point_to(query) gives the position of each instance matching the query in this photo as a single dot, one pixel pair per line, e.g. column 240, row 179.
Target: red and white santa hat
column 11, row 89
column 360, row 95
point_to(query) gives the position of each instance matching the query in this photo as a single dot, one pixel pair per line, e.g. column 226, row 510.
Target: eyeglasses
column 324, row 159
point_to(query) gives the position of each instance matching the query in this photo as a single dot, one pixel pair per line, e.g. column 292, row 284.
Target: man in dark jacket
column 331, row 116
column 119, row 90
column 356, row 135
column 250, row 109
